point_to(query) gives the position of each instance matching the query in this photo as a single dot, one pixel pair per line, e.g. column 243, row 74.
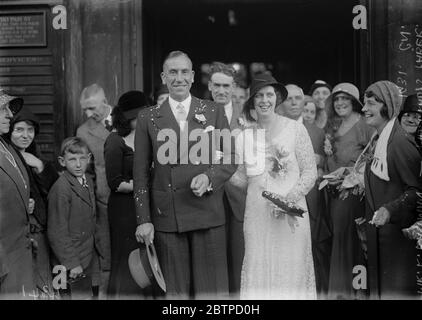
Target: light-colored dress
column 278, row 258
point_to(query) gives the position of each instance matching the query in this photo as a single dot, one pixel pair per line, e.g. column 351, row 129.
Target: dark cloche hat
column 26, row 115
column 131, row 102
column 263, row 80
column 411, row 104
column 319, row 84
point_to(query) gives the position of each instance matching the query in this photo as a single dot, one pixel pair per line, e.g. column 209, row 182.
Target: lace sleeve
column 239, row 178
column 307, row 166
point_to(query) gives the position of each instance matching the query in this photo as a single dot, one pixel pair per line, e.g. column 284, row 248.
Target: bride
column 275, row 154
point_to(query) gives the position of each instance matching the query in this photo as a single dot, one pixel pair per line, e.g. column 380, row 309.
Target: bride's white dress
column 278, row 260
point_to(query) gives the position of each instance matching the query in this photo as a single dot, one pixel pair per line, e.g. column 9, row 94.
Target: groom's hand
column 145, row 233
column 200, row 184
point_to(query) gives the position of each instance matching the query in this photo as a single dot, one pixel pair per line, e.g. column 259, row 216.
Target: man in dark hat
column 94, row 131
column 222, row 86
column 411, row 114
column 16, row 274
column 179, row 200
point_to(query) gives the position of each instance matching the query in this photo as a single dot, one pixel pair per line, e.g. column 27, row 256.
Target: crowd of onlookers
column 83, row 217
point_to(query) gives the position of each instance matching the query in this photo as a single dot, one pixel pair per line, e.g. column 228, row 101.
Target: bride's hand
column 293, row 223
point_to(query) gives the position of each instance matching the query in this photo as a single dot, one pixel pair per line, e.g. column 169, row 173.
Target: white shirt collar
column 108, row 118
column 81, row 179
column 300, row 119
column 186, row 104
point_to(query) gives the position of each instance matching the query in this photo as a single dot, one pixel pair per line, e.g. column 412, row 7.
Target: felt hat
column 15, row 103
column 319, row 84
column 347, row 88
column 131, row 102
column 411, row 104
column 264, row 80
column 26, row 115
column 145, row 268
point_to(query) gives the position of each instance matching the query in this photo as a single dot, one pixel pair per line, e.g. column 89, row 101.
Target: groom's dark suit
column 189, row 230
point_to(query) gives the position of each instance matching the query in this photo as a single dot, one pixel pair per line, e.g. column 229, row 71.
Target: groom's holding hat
column 179, row 202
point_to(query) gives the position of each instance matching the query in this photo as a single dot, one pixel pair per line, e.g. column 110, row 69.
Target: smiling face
column 22, row 135
column 178, row 76
column 265, row 102
column 320, row 95
column 5, row 116
column 343, row 105
column 221, row 87
column 309, row 112
column 410, row 121
column 372, row 113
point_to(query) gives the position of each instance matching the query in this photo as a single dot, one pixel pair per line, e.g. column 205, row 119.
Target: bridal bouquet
column 283, row 205
column 279, row 162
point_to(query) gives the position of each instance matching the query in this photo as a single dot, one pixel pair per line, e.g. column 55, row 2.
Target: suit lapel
column 81, row 191
column 13, row 173
column 165, row 118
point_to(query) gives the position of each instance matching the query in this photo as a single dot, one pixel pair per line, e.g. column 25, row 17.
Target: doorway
column 299, row 41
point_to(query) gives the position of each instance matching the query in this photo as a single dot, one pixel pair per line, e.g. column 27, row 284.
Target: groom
column 179, row 200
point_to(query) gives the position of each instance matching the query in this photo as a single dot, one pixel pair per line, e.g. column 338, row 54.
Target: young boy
column 71, row 218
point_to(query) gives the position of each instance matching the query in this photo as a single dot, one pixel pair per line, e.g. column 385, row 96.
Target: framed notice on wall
column 23, row 29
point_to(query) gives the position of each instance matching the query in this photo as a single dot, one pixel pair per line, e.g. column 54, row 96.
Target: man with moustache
column 222, row 86
column 178, row 200
column 292, row 108
column 16, row 269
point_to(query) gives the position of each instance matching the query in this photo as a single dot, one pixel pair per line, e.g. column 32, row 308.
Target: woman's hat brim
column 15, row 103
column 280, row 87
column 145, row 268
column 329, row 100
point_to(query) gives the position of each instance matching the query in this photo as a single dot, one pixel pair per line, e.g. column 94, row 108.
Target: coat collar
column 13, row 173
column 85, row 195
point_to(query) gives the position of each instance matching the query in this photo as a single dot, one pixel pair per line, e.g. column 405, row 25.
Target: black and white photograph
column 228, row 151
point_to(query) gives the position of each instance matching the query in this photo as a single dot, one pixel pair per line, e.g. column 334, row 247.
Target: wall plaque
column 23, row 29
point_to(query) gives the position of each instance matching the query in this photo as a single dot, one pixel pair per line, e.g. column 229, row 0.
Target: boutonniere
column 209, row 129
column 200, row 118
column 241, row 122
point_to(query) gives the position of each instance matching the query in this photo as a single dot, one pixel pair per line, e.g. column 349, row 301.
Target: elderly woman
column 24, row 127
column 16, row 270
column 391, row 186
column 278, row 260
column 347, row 136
